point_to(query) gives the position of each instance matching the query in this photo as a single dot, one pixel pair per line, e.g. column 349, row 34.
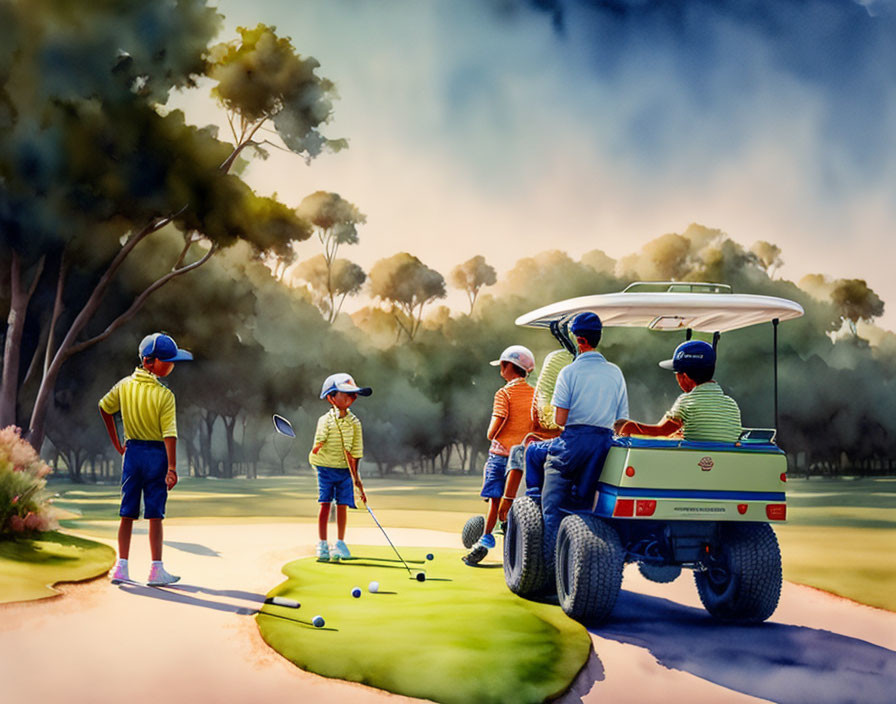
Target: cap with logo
column 343, row 382
column 163, row 347
column 692, row 355
column 518, row 355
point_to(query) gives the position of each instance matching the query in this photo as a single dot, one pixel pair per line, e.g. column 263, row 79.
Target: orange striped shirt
column 512, row 402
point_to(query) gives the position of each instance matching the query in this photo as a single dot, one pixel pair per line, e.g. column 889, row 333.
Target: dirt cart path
column 101, row 643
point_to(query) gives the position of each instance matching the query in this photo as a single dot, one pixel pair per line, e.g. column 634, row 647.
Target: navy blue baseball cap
column 691, row 356
column 163, row 347
column 585, row 322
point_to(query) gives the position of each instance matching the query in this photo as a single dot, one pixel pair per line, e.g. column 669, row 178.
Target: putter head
column 283, row 426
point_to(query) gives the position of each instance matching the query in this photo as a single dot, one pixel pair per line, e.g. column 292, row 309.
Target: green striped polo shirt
column 708, row 414
column 338, row 435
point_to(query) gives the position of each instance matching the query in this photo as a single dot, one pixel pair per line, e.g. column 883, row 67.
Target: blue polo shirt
column 593, row 390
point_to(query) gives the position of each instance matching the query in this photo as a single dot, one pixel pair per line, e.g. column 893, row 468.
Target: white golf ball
column 373, row 587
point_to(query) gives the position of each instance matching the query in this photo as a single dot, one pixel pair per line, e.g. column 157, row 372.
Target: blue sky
column 505, row 127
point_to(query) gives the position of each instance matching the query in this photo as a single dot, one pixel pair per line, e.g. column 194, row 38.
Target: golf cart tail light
column 645, row 507
column 624, row 507
column 776, row 512
column 741, row 509
column 783, row 476
column 629, row 471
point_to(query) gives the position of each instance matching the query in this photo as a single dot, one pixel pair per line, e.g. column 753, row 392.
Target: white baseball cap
column 518, row 355
column 343, row 382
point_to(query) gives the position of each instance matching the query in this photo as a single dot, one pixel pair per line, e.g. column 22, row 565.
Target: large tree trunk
column 229, row 424
column 15, row 326
column 69, row 346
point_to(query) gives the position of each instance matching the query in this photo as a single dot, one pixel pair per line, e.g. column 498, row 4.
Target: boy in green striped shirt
column 703, row 412
column 337, row 448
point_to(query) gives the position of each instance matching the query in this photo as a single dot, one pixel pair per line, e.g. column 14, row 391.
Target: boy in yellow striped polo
column 149, row 467
column 338, row 446
column 703, row 412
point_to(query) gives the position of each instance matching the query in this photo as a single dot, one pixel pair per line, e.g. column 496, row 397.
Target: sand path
column 101, row 643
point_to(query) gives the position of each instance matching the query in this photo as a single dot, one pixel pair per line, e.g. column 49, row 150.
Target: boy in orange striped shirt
column 511, row 422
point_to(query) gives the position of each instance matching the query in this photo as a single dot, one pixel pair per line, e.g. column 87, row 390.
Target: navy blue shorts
column 335, row 483
column 143, row 472
column 493, row 474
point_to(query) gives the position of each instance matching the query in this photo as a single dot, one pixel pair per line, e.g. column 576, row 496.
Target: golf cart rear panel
column 678, row 480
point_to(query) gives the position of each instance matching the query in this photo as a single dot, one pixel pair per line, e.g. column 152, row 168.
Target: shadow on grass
column 782, row 663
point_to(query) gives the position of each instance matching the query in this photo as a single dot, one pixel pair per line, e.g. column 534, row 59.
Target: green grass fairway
column 29, row 568
column 839, row 537
column 432, row 501
column 461, row 636
column 853, row 562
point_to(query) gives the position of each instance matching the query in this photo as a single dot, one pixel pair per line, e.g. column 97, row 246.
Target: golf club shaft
column 387, row 538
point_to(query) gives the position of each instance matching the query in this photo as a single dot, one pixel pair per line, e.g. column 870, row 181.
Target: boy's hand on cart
column 619, row 426
column 171, row 478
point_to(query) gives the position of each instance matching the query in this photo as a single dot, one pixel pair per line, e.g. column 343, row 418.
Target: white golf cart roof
column 703, row 307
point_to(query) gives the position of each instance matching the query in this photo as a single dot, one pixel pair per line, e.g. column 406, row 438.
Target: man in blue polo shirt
column 590, row 396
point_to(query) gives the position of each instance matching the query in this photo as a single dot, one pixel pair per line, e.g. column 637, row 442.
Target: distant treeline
column 263, row 346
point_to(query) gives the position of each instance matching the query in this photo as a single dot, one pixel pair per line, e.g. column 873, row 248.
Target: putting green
column 461, row 636
column 29, row 567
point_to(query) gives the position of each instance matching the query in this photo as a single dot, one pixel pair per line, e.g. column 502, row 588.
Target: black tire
column 524, row 568
column 473, row 530
column 741, row 580
column 589, row 561
column 662, row 574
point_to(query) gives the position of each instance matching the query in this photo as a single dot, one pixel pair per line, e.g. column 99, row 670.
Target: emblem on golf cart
column 706, row 464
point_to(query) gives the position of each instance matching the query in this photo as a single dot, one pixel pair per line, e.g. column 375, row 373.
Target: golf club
column 387, row 538
column 283, row 426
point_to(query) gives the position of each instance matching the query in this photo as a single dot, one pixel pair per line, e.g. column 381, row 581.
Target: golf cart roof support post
column 559, row 329
column 775, row 345
column 689, row 333
column 716, row 336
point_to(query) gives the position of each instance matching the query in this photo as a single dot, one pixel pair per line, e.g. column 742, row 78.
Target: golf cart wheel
column 524, row 568
column 662, row 574
column 473, row 530
column 589, row 561
column 741, row 579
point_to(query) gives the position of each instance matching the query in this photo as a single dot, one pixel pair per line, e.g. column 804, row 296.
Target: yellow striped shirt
column 544, row 387
column 337, row 434
column 147, row 407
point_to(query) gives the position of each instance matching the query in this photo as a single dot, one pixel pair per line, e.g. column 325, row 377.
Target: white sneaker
column 120, row 573
column 158, row 577
column 323, row 551
column 340, row 551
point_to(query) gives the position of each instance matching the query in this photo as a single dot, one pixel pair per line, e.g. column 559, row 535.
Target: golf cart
column 666, row 504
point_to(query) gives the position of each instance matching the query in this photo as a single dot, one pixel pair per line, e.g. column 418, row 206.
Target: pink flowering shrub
column 24, row 502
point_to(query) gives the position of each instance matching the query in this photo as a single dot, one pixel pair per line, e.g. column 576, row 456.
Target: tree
column 408, row 285
column 769, row 256
column 93, row 167
column 598, row 260
column 336, row 221
column 855, row 301
column 330, row 284
column 471, row 276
